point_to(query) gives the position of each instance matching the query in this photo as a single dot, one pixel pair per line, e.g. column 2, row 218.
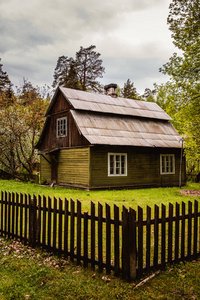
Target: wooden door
column 54, row 168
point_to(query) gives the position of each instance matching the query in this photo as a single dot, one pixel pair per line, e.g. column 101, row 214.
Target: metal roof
column 81, row 100
column 127, row 131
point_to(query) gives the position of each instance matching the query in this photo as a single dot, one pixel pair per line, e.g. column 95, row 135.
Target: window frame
column 125, row 166
column 165, row 166
column 57, row 127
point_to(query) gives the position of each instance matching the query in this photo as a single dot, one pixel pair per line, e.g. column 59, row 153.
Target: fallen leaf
column 76, row 272
column 106, row 279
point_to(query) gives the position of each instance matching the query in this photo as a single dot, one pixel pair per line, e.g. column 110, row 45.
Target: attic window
column 167, row 164
column 62, row 127
column 117, row 164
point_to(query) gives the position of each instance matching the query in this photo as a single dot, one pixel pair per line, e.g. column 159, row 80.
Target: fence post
column 125, row 244
column 32, row 220
column 132, row 243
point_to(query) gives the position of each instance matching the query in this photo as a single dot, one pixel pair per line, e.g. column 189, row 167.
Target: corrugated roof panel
column 115, row 130
column 81, row 100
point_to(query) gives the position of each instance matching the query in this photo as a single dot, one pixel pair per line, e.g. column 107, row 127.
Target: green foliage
column 182, row 91
column 21, row 124
column 80, row 73
column 129, row 91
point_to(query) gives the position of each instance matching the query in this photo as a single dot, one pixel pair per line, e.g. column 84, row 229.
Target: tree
column 129, row 91
column 89, row 68
column 184, row 72
column 21, row 125
column 65, row 73
column 6, row 92
column 80, row 73
column 149, row 95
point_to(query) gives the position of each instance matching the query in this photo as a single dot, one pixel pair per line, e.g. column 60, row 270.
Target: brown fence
column 130, row 243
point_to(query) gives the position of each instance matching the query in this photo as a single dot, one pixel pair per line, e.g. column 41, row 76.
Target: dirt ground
column 193, row 193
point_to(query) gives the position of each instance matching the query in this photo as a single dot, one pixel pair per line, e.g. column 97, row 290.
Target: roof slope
column 81, row 100
column 127, row 131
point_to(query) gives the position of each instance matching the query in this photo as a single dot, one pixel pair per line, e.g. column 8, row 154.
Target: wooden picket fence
column 130, row 243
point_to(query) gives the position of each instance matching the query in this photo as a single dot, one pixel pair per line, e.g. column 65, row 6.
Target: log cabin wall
column 45, row 168
column 143, row 168
column 73, row 167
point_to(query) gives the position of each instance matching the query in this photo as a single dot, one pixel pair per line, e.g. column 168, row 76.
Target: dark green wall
column 143, row 167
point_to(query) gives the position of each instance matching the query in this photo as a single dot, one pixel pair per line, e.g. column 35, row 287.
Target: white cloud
column 127, row 33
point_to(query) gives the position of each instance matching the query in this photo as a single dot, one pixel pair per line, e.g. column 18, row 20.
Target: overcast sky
column 131, row 35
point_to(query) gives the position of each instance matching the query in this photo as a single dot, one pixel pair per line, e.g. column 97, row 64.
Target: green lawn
column 128, row 198
column 29, row 274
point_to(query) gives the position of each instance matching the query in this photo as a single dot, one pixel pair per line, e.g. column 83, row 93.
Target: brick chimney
column 111, row 90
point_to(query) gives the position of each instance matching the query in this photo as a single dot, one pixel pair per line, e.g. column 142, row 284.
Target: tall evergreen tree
column 6, row 92
column 81, row 72
column 129, row 91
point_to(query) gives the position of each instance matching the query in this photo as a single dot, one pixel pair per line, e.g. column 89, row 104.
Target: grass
column 128, row 198
column 32, row 274
column 29, row 274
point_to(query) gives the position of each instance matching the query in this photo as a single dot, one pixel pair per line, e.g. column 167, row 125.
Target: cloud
column 21, row 35
column 129, row 34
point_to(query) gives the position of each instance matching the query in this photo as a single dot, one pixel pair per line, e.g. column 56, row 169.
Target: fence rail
column 130, row 243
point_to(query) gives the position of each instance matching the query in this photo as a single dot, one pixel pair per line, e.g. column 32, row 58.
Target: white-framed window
column 117, row 164
column 167, row 164
column 61, row 128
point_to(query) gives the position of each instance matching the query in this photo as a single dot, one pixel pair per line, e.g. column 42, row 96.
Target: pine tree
column 129, row 91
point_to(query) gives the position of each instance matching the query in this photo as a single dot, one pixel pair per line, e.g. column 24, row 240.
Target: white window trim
column 117, row 175
column 60, row 119
column 167, row 173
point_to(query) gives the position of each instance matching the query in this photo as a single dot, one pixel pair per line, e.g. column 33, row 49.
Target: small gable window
column 167, row 164
column 117, row 164
column 61, row 127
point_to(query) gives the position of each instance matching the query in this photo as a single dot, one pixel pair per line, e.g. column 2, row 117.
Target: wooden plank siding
column 73, row 167
column 74, row 137
column 45, row 168
column 143, row 167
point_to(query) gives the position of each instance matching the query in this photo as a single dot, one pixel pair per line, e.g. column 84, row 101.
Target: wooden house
column 95, row 141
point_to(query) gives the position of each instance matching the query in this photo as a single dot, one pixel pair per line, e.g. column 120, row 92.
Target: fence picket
column 177, row 232
column 17, row 215
column 92, row 235
column 66, row 228
column 140, row 241
column 54, row 222
column 183, row 232
column 38, row 237
column 21, row 217
column 108, row 240
column 100, row 236
column 78, row 232
column 85, row 239
column 195, row 228
column 116, row 240
column 125, row 244
column 44, row 221
column 163, row 237
column 189, row 229
column 13, row 214
column 132, row 243
column 148, row 239
column 156, row 236
column 60, row 226
column 72, row 230
column 170, row 233
column 49, row 223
